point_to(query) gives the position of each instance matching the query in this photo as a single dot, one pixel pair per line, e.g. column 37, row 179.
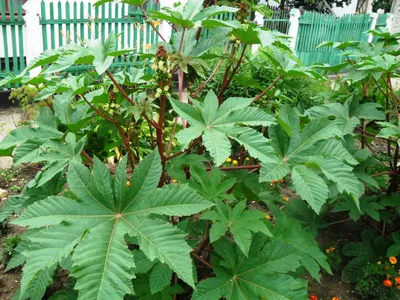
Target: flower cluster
column 162, row 91
column 236, row 42
column 161, row 65
column 111, row 108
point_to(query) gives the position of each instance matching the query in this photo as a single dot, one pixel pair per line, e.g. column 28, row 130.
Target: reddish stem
column 212, row 74
column 87, row 156
column 126, row 143
column 267, row 89
column 151, row 24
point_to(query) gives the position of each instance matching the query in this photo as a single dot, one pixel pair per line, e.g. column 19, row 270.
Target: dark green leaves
column 261, row 275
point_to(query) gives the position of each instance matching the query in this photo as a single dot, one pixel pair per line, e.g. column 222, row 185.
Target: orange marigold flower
column 398, row 287
column 274, row 182
column 328, row 251
column 335, row 298
column 313, row 297
column 128, row 183
column 397, row 279
column 393, row 260
column 281, row 180
column 387, row 283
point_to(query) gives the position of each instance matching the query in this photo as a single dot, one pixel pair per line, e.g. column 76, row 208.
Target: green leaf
column 160, row 277
column 310, row 186
column 291, row 232
column 159, row 239
column 102, row 263
column 104, row 271
column 342, row 175
column 344, row 121
column 274, row 171
column 212, row 186
column 240, row 222
column 19, row 136
column 46, row 250
column 315, row 131
column 170, row 201
column 217, row 124
column 261, row 275
column 102, row 60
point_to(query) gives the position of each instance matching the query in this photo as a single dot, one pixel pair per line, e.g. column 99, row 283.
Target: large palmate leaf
column 261, row 275
column 314, row 156
column 193, row 14
column 347, row 117
column 211, row 185
column 291, row 232
column 95, row 228
column 43, row 130
column 216, row 124
column 238, row 221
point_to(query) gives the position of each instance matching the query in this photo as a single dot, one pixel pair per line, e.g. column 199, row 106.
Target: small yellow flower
column 229, row 160
column 332, row 249
column 174, row 180
column 286, row 199
column 59, row 194
column 235, row 162
column 148, row 46
column 156, row 23
column 328, row 251
column 379, row 262
column 128, row 183
column 393, row 260
column 247, row 159
column 268, row 217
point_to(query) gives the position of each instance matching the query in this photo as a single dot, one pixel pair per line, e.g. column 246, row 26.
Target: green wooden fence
column 316, row 28
column 279, row 20
column 64, row 23
column 12, row 45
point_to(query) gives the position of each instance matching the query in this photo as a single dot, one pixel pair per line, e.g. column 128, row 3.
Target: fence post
column 374, row 17
column 259, row 20
column 390, row 23
column 33, row 33
column 294, row 23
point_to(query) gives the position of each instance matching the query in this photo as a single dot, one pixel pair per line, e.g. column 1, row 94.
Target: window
column 16, row 4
